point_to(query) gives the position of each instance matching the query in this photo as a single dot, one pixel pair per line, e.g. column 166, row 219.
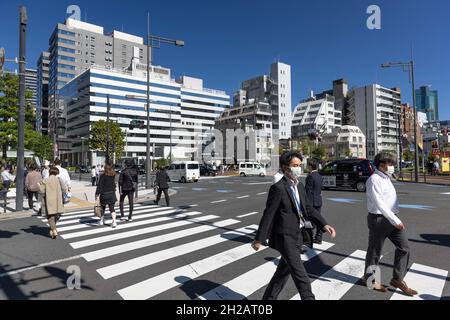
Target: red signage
column 446, row 154
column 436, row 151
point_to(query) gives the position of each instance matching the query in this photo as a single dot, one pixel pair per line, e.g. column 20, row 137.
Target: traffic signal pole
column 21, row 121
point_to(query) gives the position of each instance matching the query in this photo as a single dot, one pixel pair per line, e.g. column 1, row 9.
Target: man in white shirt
column 382, row 204
column 45, row 171
column 63, row 174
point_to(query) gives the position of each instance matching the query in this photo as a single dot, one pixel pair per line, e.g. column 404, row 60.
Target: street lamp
column 409, row 67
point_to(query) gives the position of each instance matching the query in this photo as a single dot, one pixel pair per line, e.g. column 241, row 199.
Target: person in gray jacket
column 162, row 181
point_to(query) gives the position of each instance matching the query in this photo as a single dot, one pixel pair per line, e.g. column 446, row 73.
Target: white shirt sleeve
column 375, row 192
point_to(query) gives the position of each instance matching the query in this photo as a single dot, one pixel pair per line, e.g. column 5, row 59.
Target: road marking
column 256, row 183
column 247, row 214
column 218, row 201
column 136, row 206
column 242, row 197
column 103, row 229
column 261, row 193
column 344, row 200
column 163, row 255
column 446, row 193
column 193, row 205
column 153, row 286
column 110, row 251
column 10, row 273
column 429, row 282
column 136, row 216
column 334, row 284
column 416, row 207
column 244, row 285
column 129, row 234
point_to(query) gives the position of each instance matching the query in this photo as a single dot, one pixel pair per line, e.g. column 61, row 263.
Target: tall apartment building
column 182, row 111
column 276, row 90
column 427, row 101
column 42, row 92
column 31, row 85
column 376, row 111
column 316, row 115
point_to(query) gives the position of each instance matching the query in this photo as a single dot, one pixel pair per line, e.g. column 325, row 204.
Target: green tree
column 163, row 162
column 319, row 152
column 348, row 153
column 97, row 140
column 407, row 155
column 41, row 145
column 9, row 114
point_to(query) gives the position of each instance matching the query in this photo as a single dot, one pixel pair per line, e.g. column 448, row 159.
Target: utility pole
column 148, row 160
column 21, row 123
column 107, row 128
column 416, row 145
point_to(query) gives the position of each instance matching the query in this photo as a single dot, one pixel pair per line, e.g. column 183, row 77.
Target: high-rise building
column 276, row 90
column 42, row 92
column 182, row 111
column 376, row 111
column 427, row 101
column 31, row 86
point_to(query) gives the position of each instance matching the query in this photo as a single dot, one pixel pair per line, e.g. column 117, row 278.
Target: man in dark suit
column 287, row 210
column 162, row 181
column 313, row 186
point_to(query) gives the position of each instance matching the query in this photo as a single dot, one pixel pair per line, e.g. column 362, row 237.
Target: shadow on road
column 195, row 288
column 4, row 234
column 437, row 239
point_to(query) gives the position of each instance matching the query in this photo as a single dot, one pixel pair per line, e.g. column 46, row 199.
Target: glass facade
column 427, row 102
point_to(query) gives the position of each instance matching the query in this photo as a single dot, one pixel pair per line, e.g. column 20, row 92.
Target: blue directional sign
column 199, row 189
column 224, row 191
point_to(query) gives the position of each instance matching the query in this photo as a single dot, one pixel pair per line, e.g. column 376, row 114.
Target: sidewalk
column 83, row 197
column 437, row 180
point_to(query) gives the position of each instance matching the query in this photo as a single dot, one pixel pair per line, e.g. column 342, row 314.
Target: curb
column 429, row 183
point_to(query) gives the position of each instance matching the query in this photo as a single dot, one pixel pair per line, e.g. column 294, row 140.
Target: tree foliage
column 98, row 138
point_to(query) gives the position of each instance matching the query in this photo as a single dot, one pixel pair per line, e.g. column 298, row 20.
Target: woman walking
column 106, row 190
column 52, row 188
column 32, row 182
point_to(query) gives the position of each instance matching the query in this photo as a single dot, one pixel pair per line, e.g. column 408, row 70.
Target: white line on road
column 10, row 273
column 256, row 183
column 153, row 286
column 133, row 233
column 247, row 214
column 242, row 197
column 110, row 251
column 429, row 283
column 261, row 193
column 253, row 280
column 163, row 255
column 218, row 201
column 335, row 283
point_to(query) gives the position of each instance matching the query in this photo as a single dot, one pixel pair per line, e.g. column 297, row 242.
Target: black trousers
column 379, row 229
column 110, row 206
column 130, row 195
column 94, row 180
column 166, row 195
column 290, row 264
column 319, row 232
column 30, row 198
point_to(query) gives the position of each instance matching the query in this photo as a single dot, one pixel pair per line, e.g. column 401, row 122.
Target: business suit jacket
column 162, row 179
column 280, row 216
column 313, row 186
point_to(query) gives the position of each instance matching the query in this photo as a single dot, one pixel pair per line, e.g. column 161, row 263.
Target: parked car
column 208, row 171
column 82, row 169
column 348, row 173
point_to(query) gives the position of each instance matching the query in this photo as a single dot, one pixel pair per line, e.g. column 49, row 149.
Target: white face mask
column 296, row 172
column 390, row 170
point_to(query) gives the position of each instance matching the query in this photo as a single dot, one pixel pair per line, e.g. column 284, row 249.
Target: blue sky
column 228, row 41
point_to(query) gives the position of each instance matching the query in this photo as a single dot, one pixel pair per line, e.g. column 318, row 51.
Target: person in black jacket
column 313, row 186
column 286, row 214
column 106, row 190
column 162, row 181
column 128, row 180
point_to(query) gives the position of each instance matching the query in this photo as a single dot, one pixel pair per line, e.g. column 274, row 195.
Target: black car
column 208, row 171
column 348, row 173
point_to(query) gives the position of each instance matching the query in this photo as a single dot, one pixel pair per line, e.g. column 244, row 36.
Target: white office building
column 315, row 115
column 347, row 141
column 376, row 111
column 182, row 111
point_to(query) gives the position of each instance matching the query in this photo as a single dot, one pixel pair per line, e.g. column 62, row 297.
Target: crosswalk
column 207, row 245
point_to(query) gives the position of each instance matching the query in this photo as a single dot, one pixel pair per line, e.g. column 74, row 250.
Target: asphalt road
column 204, row 252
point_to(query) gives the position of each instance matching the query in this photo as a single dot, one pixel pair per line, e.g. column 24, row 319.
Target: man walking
column 128, row 181
column 382, row 204
column 162, row 182
column 93, row 176
column 286, row 214
column 313, row 186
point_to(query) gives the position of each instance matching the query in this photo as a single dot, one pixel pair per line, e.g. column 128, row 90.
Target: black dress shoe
column 317, row 241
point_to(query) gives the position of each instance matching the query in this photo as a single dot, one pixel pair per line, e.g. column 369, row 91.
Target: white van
column 251, row 169
column 186, row 171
